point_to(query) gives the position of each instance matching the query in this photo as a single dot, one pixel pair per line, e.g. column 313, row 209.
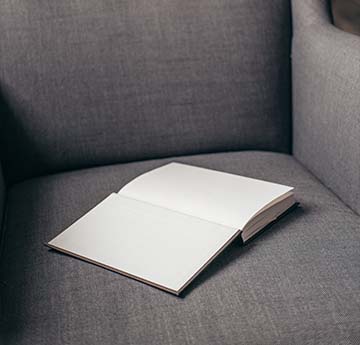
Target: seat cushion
column 297, row 283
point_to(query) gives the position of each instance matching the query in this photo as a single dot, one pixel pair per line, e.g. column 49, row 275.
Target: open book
column 164, row 227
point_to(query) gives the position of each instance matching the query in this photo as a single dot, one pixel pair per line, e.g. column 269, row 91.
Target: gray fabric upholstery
column 90, row 82
column 326, row 99
column 298, row 283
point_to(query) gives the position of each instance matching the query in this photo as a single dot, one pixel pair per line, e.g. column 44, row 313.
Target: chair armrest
column 326, row 99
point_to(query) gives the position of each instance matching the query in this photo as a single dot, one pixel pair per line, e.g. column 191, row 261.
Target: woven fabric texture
column 298, row 283
column 326, row 99
column 88, row 82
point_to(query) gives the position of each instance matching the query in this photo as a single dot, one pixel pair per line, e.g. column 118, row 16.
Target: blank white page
column 157, row 246
column 223, row 198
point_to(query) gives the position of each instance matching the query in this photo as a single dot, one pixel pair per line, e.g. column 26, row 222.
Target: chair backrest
column 92, row 82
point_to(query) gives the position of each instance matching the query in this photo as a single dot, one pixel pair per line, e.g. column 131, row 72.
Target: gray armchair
column 94, row 93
